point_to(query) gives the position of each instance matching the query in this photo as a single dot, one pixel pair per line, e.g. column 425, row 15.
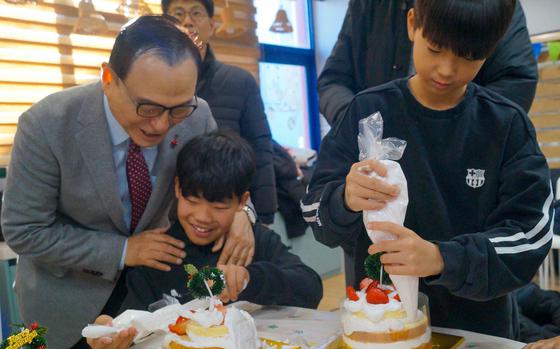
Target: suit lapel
column 94, row 143
column 164, row 170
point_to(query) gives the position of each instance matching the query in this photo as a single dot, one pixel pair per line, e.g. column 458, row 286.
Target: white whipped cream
column 374, row 313
column 206, row 318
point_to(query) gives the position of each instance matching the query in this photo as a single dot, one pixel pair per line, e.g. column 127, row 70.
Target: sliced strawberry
column 180, row 326
column 351, row 293
column 365, row 283
column 397, row 298
column 387, row 292
column 374, row 284
column 376, row 296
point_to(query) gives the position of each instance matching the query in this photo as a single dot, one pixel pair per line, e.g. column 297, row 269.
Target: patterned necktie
column 139, row 184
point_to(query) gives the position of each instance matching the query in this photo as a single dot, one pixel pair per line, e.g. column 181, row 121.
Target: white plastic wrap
column 388, row 151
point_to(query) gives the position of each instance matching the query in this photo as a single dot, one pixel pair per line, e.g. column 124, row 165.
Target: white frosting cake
column 381, row 322
column 215, row 327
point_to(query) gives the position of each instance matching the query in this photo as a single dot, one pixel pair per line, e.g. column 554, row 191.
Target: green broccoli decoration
column 373, row 267
column 214, row 278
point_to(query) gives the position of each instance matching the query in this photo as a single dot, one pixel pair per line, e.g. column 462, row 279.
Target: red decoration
column 34, row 326
column 174, row 142
column 180, row 326
column 351, row 293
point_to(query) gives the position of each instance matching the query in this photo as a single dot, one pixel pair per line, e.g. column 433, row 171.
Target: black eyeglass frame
column 162, row 108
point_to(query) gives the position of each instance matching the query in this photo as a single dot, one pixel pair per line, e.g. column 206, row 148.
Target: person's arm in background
column 336, row 84
column 255, row 129
column 512, row 71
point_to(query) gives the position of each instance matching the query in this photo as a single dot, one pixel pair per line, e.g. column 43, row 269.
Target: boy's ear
column 243, row 200
column 177, row 188
column 410, row 24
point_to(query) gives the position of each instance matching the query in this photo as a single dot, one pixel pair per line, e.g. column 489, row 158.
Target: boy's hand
column 121, row 340
column 364, row 193
column 552, row 343
column 409, row 254
column 237, row 279
column 153, row 248
column 239, row 246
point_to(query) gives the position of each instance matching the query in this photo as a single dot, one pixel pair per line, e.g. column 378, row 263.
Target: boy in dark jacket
column 234, row 98
column 479, row 219
column 213, row 177
column 214, row 172
column 373, row 49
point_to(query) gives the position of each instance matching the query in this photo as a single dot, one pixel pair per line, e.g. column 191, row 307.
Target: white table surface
column 6, row 253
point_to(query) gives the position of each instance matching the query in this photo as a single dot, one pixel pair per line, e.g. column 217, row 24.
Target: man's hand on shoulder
column 121, row 340
column 153, row 248
column 239, row 247
column 237, row 278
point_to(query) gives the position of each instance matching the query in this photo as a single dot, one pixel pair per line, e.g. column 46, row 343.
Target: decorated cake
column 374, row 317
column 212, row 326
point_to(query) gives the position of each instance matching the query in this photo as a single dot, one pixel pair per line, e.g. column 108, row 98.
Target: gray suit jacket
column 62, row 214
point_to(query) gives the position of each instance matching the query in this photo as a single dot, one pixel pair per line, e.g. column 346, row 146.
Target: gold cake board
column 439, row 341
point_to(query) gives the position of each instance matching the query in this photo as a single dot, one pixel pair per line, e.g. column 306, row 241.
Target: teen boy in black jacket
column 479, row 221
column 373, row 48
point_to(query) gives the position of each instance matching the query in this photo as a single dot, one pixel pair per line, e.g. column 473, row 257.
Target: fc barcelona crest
column 475, row 178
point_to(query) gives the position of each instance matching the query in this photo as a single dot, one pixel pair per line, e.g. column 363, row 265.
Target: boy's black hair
column 155, row 34
column 208, row 4
column 216, row 166
column 469, row 28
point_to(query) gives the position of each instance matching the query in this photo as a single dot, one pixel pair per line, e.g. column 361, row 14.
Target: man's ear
column 107, row 77
column 410, row 24
column 212, row 26
column 243, row 200
column 177, row 188
column 106, row 74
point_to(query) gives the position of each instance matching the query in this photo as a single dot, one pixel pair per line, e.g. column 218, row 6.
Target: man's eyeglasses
column 196, row 14
column 154, row 110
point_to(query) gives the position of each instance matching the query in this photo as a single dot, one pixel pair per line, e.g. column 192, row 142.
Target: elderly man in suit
column 90, row 181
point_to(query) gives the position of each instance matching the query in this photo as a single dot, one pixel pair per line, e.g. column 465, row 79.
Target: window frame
column 301, row 57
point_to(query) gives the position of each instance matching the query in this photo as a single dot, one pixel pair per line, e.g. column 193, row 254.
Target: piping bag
column 388, row 151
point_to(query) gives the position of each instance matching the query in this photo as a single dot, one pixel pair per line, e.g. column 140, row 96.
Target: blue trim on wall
column 306, row 58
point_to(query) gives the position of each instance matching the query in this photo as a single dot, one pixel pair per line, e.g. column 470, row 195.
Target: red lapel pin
column 174, row 142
